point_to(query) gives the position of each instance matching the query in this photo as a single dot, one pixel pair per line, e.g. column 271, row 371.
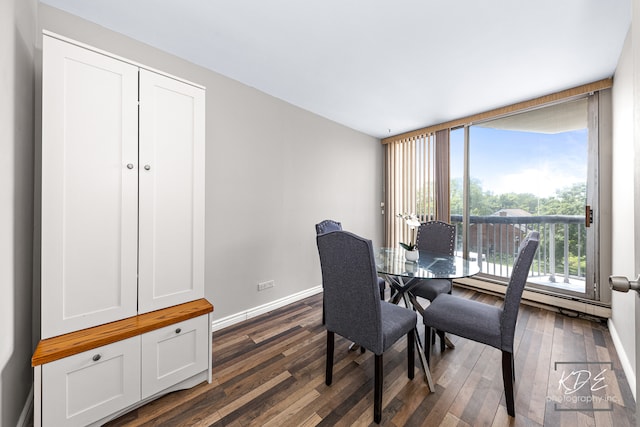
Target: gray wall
column 272, row 172
column 17, row 86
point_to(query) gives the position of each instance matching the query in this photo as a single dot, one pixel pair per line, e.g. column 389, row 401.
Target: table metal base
column 401, row 289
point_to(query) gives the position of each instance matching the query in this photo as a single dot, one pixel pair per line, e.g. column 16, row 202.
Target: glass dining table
column 403, row 275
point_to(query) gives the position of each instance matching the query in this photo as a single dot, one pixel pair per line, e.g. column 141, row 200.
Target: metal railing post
column 552, row 253
column 566, row 253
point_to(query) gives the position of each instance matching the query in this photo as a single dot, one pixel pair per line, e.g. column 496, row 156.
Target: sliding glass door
column 533, row 170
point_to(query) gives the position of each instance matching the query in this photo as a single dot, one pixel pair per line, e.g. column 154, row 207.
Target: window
column 528, row 171
column 530, row 166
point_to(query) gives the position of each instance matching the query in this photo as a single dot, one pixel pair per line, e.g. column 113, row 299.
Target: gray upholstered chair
column 330, row 225
column 484, row 323
column 354, row 310
column 325, row 227
column 436, row 237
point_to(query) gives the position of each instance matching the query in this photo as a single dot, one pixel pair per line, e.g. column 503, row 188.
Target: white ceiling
column 383, row 66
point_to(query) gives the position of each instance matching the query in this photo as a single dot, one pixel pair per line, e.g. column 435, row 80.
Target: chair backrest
column 436, row 236
column 518, row 279
column 328, row 225
column 351, row 292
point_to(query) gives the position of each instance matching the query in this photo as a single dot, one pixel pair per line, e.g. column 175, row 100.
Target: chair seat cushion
column 466, row 318
column 431, row 288
column 396, row 322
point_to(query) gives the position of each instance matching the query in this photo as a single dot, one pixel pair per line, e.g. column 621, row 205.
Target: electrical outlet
column 266, row 285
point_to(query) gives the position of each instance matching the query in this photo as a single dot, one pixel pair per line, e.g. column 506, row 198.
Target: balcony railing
column 560, row 261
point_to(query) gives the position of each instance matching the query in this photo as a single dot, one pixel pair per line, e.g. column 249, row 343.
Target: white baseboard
column 627, row 366
column 27, row 410
column 218, row 324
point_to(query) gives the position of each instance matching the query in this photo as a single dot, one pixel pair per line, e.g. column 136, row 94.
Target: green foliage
column 573, row 264
column 567, row 201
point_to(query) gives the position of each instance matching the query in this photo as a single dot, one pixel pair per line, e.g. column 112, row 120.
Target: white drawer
column 174, row 353
column 86, row 387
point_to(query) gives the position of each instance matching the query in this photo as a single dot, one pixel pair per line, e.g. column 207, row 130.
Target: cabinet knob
column 96, row 357
column 178, row 330
column 147, row 167
column 130, row 166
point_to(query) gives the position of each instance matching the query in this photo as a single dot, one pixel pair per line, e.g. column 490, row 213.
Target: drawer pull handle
column 178, row 330
column 96, row 357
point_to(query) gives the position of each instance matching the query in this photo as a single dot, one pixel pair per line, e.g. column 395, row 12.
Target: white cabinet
column 83, row 388
column 93, row 386
column 171, row 192
column 122, row 245
column 122, row 189
column 173, row 354
column 89, row 197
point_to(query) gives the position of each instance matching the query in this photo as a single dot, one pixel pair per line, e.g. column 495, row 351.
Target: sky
column 522, row 162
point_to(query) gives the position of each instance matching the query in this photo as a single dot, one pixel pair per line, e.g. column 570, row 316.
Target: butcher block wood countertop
column 51, row 349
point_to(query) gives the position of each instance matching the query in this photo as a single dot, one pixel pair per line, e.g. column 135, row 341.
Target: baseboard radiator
column 535, row 297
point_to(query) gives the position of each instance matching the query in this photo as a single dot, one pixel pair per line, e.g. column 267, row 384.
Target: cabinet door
column 89, row 195
column 171, row 265
column 173, row 354
column 86, row 387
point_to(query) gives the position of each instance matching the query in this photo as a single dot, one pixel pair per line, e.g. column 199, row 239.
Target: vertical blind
column 416, row 183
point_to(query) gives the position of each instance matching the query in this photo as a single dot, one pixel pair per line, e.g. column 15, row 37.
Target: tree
column 568, row 200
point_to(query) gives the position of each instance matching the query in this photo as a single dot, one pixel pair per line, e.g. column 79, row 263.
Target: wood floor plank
column 167, row 405
column 412, row 396
column 270, row 371
column 256, row 356
column 287, row 408
column 484, row 388
column 234, row 405
column 539, row 380
column 453, row 421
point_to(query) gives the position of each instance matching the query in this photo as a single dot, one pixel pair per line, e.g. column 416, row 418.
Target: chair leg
column 440, row 334
column 427, row 336
column 377, row 392
column 442, row 341
column 329, row 367
column 507, row 378
column 411, row 355
column 427, row 342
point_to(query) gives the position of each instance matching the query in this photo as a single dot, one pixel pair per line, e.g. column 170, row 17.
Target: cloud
column 542, row 182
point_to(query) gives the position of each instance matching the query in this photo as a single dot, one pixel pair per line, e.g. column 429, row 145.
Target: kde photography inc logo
column 582, row 386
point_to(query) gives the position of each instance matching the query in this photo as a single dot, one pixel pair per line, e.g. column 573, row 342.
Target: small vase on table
column 411, row 255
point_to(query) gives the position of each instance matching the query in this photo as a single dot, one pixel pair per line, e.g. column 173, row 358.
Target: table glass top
column 428, row 266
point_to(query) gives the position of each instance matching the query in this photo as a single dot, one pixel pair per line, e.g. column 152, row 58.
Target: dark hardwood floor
column 269, row 371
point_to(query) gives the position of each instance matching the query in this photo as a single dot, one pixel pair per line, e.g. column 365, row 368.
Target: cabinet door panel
column 89, row 195
column 79, row 390
column 173, row 354
column 171, row 266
